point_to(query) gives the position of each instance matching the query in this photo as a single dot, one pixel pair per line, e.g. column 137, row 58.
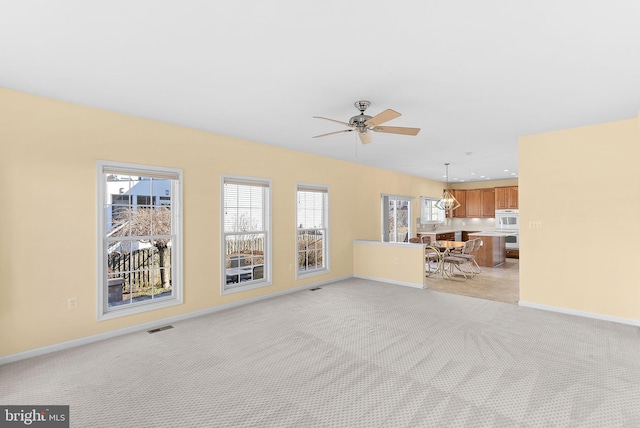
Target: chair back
column 468, row 246
column 426, row 239
column 431, row 252
column 415, row 240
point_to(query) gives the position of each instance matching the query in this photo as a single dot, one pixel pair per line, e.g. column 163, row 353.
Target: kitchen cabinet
column 506, row 198
column 447, row 236
column 488, row 203
column 492, row 253
column 513, row 253
column 465, row 234
column 474, row 203
column 461, row 196
column 481, row 202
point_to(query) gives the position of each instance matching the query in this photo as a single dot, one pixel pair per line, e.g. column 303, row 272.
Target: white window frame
column 104, row 312
column 429, row 211
column 304, row 187
column 384, row 204
column 266, row 279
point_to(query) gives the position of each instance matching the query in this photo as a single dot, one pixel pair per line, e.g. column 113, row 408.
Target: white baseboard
column 585, row 314
column 152, row 324
column 390, row 281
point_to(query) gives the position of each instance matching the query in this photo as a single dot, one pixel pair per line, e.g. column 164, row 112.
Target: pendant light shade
column 447, row 202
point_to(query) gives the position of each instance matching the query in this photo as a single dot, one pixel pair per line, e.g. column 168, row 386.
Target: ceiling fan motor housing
column 359, row 122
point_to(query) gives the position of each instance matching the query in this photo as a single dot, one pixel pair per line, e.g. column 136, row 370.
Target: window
column 139, row 245
column 396, row 218
column 429, row 212
column 246, row 226
column 312, row 232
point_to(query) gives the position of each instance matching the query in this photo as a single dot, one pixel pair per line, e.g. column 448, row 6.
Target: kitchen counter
column 493, row 250
column 443, row 230
column 491, row 233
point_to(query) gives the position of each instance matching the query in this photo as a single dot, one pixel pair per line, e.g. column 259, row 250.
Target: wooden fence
column 141, row 267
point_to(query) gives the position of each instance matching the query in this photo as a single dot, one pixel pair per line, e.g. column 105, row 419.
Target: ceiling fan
column 364, row 123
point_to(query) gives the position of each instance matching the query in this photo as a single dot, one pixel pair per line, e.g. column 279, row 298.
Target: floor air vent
column 155, row 330
column 314, row 289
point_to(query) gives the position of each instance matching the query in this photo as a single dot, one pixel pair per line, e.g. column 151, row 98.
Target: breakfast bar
column 492, row 252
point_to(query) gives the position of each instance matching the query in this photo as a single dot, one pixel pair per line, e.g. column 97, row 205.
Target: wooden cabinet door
column 506, row 198
column 474, row 203
column 460, row 195
column 501, row 198
column 512, row 197
column 449, row 236
column 488, row 203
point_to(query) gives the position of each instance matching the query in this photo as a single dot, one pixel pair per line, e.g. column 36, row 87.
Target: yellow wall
column 583, row 186
column 48, row 154
column 396, row 263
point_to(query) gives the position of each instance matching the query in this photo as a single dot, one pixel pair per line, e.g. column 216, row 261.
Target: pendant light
column 447, row 202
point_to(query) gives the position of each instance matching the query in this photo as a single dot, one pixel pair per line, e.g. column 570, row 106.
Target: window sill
column 315, row 272
column 138, row 308
column 240, row 288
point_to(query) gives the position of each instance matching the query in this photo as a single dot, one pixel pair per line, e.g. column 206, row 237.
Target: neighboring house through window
column 246, row 225
column 396, row 218
column 140, row 235
column 313, row 227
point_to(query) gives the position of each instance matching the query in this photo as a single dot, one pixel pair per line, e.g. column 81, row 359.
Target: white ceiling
column 473, row 75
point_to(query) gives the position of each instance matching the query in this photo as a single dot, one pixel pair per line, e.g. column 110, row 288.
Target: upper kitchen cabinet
column 480, row 203
column 488, row 203
column 461, row 196
column 474, row 203
column 506, row 198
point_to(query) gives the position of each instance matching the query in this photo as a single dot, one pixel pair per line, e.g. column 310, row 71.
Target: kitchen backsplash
column 482, row 223
column 475, row 224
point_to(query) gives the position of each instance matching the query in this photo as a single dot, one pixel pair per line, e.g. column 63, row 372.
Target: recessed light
column 461, row 181
column 488, row 178
column 473, row 173
column 513, row 173
column 506, row 170
column 482, row 176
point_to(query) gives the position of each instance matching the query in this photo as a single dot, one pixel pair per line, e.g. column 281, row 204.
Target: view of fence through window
column 312, row 228
column 245, row 230
column 138, row 238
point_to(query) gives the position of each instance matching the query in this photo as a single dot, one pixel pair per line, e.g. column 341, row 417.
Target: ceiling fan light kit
column 363, row 123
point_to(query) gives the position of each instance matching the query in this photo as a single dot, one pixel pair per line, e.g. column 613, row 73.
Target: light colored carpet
column 356, row 353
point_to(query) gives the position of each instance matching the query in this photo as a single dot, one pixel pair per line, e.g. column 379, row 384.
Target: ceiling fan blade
column 396, row 130
column 383, row 117
column 333, row 133
column 365, row 137
column 332, row 120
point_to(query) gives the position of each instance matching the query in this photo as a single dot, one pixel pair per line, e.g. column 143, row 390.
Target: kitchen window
column 429, row 212
column 396, row 218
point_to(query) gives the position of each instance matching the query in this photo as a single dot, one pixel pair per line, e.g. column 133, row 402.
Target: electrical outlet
column 396, row 261
column 72, row 303
column 535, row 224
